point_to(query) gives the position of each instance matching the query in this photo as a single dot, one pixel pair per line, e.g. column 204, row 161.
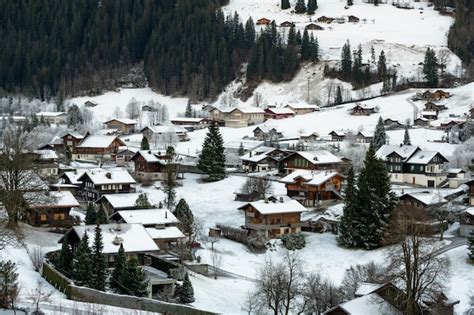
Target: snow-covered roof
column 340, row 133
column 249, row 110
column 74, row 134
column 160, row 129
column 148, row 216
column 166, row 233
column 422, row 157
column 247, row 144
column 405, row 151
column 152, row 156
column 367, row 288
column 265, row 128
column 125, row 121
column 469, row 211
column 188, row 119
column 366, row 134
column 47, row 154
column 123, row 201
column 97, row 141
column 456, row 171
column 258, row 154
column 74, row 176
column 133, row 237
column 302, row 106
column 369, row 304
column 102, row 176
column 270, row 207
column 310, row 177
column 50, row 114
column 281, row 110
column 55, row 199
column 319, row 157
column 427, row 197
column 428, row 113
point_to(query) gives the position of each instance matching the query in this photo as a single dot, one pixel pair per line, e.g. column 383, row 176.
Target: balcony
column 253, row 226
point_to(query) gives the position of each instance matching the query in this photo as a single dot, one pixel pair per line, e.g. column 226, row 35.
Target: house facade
column 263, row 159
column 312, row 160
column 412, row 165
column 273, row 217
column 123, row 125
column 337, row 135
column 95, row 147
column 278, row 113
column 161, row 132
column 312, row 187
column 56, row 118
column 51, row 209
column 95, row 183
column 466, row 222
column 362, row 110
column 237, row 117
column 301, row 109
column 151, row 165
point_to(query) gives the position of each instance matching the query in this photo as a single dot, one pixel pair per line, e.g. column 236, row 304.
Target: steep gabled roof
column 96, row 141
column 309, row 177
column 319, row 157
column 404, row 151
column 103, row 177
column 271, row 207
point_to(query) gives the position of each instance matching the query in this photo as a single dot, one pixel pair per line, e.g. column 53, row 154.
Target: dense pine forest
column 185, row 47
column 461, row 34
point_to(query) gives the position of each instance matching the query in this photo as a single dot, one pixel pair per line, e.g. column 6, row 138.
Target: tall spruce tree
column 169, row 183
column 189, row 110
column 91, row 214
column 102, row 217
column 186, row 292
column 300, row 7
column 99, row 265
column 406, row 137
column 347, row 233
column 380, row 137
column 136, row 281
column 338, row 99
column 212, row 157
column 142, row 202
column 82, row 262
column 430, row 68
column 382, row 66
column 357, row 74
column 312, row 6
column 471, row 246
column 350, row 2
column 145, row 145
column 305, row 46
column 346, row 61
column 185, row 216
column 65, row 256
column 314, row 48
column 285, row 4
column 118, row 277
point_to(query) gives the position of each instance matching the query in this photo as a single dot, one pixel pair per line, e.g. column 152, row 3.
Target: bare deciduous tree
column 258, row 99
column 259, row 186
column 444, row 57
column 355, row 275
column 320, row 294
column 133, row 108
column 251, row 303
column 36, row 254
column 216, row 261
column 39, row 294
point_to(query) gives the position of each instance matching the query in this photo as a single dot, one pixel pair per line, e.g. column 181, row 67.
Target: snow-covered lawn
column 461, row 282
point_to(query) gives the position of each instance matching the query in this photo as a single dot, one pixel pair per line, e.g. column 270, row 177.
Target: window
column 43, row 217
column 59, row 216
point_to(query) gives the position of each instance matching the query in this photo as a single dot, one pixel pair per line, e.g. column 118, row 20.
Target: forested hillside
column 461, row 34
column 187, row 47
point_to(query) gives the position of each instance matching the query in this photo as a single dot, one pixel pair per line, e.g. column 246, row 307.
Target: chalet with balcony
column 263, row 21
column 237, row 117
column 363, row 110
column 312, row 187
column 364, row 137
column 98, row 182
column 151, row 164
column 430, row 106
column 273, row 217
column 96, row 147
column 325, row 19
column 412, row 165
column 312, row 160
column 47, row 162
column 301, row 109
column 313, row 27
column 466, row 222
column 421, row 122
column 278, row 113
column 392, row 124
column 266, row 133
column 263, row 159
column 123, row 125
column 51, row 209
column 338, row 135
column 156, row 133
column 116, row 202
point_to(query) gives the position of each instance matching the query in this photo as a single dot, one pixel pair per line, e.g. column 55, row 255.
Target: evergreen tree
column 185, row 216
column 300, row 7
column 241, row 149
column 189, row 110
column 136, row 282
column 212, row 157
column 312, row 6
column 65, row 256
column 98, row 264
column 380, row 137
column 346, row 61
column 82, row 262
column 186, row 292
column 471, row 245
column 144, row 145
column 9, row 288
column 376, row 2
column 382, row 66
column 74, row 116
column 169, row 183
column 142, row 202
column 118, row 276
column 372, row 55
column 91, row 214
column 394, row 81
column 430, row 68
column 338, row 99
column 406, row 137
column 34, row 121
column 349, row 2
column 285, row 4
column 346, row 236
column 305, row 46
column 314, row 48
column 357, row 74
column 102, row 217
column 249, row 33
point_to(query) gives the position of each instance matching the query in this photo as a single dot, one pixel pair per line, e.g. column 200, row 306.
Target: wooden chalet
column 95, row 147
column 430, row 115
column 190, row 123
column 266, row 133
column 287, row 24
column 237, row 117
column 466, row 222
column 392, row 124
column 364, row 137
column 123, row 125
column 470, row 193
column 337, row 135
column 363, row 110
column 263, row 159
column 151, row 165
column 311, row 160
column 273, row 217
column 116, row 202
column 51, row 209
column 301, row 109
column 325, row 19
column 312, row 187
column 353, row 19
column 160, row 224
column 309, row 137
column 154, row 133
column 263, row 21
column 421, row 122
column 313, row 27
column 278, row 113
column 430, row 106
column 435, row 96
column 47, row 162
column 98, row 182
column 387, row 299
column 124, row 155
column 451, row 124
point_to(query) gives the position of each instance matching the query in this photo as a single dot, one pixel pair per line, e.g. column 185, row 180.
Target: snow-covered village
column 237, row 157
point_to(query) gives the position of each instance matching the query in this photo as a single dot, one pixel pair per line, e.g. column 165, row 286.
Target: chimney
column 281, row 200
column 108, row 175
column 166, row 214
